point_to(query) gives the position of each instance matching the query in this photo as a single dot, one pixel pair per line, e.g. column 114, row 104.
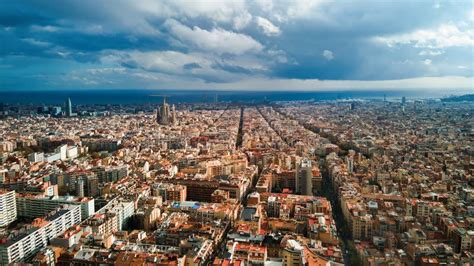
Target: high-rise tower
column 68, row 107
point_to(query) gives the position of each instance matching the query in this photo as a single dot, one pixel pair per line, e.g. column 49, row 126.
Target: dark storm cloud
column 206, row 42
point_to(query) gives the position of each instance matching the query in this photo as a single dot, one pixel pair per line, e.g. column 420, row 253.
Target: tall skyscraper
column 404, row 100
column 304, row 177
column 8, row 210
column 165, row 116
column 68, row 107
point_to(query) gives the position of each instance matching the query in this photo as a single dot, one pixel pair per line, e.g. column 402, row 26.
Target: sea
column 142, row 96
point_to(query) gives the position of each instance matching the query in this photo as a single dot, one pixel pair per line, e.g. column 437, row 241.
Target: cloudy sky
column 258, row 44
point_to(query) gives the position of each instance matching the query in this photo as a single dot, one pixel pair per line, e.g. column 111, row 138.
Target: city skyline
column 238, row 45
column 240, row 132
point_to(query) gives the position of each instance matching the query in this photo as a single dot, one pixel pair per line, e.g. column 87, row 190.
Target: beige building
column 362, row 227
column 293, row 253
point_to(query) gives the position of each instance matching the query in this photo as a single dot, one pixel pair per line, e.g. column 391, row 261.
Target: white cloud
column 217, row 40
column 244, row 62
column 47, row 28
column 106, row 70
column 181, row 65
column 285, row 11
column 163, row 61
column 62, row 54
column 267, row 27
column 446, row 35
column 36, row 42
column 302, row 8
column 279, row 56
column 431, row 52
column 221, row 11
column 242, row 20
column 328, row 55
column 266, row 5
column 427, row 62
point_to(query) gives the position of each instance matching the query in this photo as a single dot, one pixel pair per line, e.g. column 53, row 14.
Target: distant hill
column 462, row 98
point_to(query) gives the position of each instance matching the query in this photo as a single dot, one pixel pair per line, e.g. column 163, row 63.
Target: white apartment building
column 20, row 245
column 8, row 211
column 33, row 206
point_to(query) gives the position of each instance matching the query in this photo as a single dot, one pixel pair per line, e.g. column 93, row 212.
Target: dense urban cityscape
column 349, row 182
column 237, row 133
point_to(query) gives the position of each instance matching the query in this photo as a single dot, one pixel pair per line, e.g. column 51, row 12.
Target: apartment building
column 33, row 206
column 20, row 245
column 8, row 208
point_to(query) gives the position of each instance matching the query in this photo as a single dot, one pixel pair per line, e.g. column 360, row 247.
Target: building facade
column 27, row 242
column 8, row 208
column 31, row 206
column 304, row 178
